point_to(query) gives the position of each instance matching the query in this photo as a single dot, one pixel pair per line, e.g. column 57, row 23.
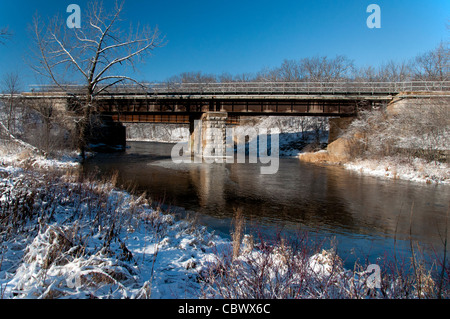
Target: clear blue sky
column 240, row 36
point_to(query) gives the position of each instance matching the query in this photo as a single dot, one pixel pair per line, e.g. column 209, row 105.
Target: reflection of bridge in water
column 224, row 103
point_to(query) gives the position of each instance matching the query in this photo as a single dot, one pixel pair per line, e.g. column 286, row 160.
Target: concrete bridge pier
column 208, row 136
column 337, row 126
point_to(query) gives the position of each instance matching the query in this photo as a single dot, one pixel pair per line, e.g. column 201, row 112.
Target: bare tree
column 319, row 68
column 97, row 55
column 268, row 75
column 11, row 87
column 47, row 125
column 192, row 77
column 418, row 128
column 367, row 73
column 395, row 72
column 434, row 65
column 325, row 69
column 46, row 111
column 225, row 77
column 244, row 77
column 290, row 71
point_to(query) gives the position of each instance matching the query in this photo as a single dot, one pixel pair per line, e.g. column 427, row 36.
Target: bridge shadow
column 290, row 144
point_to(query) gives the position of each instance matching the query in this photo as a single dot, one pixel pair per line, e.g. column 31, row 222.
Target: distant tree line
column 433, row 65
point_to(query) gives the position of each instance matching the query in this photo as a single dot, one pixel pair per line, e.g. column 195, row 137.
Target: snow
column 417, row 170
column 394, row 138
column 157, row 257
column 149, row 132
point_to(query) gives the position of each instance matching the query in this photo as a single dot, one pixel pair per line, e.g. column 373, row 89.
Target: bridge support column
column 208, row 136
column 337, row 126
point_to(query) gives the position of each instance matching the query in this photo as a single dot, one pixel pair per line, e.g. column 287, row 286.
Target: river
column 367, row 217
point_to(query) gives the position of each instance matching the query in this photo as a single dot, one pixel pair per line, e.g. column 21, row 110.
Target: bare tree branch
column 71, row 58
column 5, row 34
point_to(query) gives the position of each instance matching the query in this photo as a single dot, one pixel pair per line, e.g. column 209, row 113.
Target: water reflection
column 363, row 212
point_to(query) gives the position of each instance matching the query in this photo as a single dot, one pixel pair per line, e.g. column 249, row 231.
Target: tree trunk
column 84, row 123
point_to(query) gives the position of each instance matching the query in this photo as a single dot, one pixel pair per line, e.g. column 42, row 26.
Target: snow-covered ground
column 390, row 141
column 417, row 170
column 153, row 132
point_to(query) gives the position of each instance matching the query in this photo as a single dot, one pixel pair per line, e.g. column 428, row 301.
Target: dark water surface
column 368, row 216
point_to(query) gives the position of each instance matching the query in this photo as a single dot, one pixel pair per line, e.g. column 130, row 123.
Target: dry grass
column 321, row 157
column 299, row 268
column 62, row 215
column 238, row 229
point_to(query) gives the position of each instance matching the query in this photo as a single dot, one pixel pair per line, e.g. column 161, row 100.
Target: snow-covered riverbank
column 417, row 170
column 389, row 167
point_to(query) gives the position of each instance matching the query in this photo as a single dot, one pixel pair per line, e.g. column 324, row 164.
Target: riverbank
column 390, row 167
column 408, row 140
column 416, row 170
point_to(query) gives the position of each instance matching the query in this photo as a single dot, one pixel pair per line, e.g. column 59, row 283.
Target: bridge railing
column 298, row 87
column 269, row 88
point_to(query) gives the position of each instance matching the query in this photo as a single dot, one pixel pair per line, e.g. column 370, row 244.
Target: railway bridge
column 217, row 104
